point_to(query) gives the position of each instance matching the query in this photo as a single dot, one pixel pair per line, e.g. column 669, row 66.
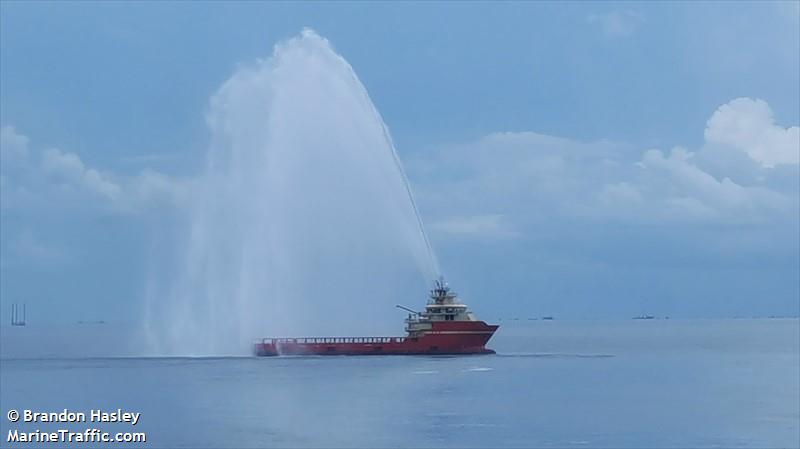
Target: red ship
column 446, row 327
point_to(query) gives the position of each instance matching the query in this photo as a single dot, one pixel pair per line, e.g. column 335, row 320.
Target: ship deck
column 330, row 340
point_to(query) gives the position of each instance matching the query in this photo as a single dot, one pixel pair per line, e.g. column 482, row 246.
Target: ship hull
column 445, row 338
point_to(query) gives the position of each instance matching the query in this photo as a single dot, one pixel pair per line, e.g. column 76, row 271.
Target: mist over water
column 303, row 223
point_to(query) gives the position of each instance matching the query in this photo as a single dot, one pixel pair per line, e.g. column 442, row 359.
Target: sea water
column 631, row 383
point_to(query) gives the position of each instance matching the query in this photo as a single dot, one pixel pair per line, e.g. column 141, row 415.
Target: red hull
column 454, row 337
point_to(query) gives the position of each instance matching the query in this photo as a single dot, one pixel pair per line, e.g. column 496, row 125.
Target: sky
column 580, row 160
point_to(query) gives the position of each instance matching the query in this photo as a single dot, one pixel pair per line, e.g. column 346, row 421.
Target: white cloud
column 488, row 226
column 13, row 147
column 149, row 158
column 748, row 125
column 512, row 183
column 61, row 177
column 506, row 184
column 68, row 167
column 617, row 23
column 686, row 191
column 28, row 247
column 151, row 188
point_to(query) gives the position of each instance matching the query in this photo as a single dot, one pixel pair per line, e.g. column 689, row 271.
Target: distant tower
column 15, row 319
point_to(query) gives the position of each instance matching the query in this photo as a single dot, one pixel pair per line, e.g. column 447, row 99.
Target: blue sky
column 584, row 160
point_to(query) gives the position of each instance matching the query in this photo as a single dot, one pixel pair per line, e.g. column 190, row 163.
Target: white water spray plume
column 302, row 225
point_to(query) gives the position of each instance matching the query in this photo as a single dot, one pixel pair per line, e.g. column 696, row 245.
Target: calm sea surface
column 655, row 383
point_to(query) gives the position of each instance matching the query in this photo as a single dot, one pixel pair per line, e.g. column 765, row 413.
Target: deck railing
column 330, row 340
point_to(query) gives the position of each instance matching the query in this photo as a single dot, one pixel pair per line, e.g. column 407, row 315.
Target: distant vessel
column 644, row 317
column 446, row 326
